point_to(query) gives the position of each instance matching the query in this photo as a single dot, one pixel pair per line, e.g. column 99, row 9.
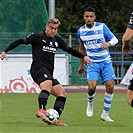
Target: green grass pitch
column 17, row 115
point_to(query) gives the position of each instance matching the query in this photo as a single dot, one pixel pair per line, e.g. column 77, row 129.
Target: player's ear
column 46, row 26
column 95, row 17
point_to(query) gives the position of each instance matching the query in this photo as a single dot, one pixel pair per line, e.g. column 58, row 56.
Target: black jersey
column 130, row 24
column 44, row 48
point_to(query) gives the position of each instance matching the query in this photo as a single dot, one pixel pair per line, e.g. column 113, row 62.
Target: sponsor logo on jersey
column 49, row 49
column 89, row 42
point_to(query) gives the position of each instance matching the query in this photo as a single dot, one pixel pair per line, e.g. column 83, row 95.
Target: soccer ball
column 53, row 115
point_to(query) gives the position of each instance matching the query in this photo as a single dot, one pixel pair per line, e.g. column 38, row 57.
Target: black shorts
column 40, row 74
column 131, row 85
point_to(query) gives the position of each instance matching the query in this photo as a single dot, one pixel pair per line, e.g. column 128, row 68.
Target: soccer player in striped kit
column 126, row 48
column 94, row 39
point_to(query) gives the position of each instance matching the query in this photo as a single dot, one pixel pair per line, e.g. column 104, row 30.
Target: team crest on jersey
column 51, row 44
column 56, row 44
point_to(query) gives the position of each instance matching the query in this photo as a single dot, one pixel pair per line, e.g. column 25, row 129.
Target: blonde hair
column 54, row 21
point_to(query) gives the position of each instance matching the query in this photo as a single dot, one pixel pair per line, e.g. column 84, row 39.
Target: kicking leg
column 60, row 101
column 45, row 87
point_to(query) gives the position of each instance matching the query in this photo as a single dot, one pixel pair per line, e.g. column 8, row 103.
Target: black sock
column 59, row 104
column 43, row 98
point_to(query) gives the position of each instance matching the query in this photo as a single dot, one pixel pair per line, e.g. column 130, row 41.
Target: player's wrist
column 125, row 43
column 109, row 44
column 81, row 67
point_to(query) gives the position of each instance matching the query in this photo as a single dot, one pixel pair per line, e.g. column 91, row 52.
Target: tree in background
column 114, row 13
column 31, row 15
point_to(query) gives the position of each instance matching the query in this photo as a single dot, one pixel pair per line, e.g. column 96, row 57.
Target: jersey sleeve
column 109, row 36
column 130, row 24
column 61, row 43
column 107, row 33
column 68, row 49
column 30, row 38
column 79, row 39
column 14, row 45
column 26, row 40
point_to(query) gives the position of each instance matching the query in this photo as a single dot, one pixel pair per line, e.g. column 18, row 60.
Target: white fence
column 15, row 73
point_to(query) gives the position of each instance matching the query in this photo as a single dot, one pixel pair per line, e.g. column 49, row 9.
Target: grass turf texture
column 17, row 115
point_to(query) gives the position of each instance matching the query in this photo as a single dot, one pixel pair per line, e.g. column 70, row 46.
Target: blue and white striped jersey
column 92, row 38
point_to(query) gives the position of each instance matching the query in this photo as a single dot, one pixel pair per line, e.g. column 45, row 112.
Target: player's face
column 89, row 18
column 51, row 29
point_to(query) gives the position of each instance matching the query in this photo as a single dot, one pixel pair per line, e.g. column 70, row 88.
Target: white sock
column 107, row 102
column 91, row 98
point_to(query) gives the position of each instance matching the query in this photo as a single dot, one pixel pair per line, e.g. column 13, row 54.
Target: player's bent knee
column 110, row 88
column 64, row 94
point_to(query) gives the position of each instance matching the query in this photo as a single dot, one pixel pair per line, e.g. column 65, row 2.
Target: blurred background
column 19, row 18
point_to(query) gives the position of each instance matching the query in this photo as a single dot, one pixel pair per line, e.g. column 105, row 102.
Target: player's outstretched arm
column 10, row 47
column 78, row 54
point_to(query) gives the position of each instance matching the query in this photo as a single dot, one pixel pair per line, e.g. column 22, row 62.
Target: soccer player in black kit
column 126, row 48
column 44, row 45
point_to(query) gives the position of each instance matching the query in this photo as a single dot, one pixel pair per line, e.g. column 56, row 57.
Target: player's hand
column 126, row 48
column 88, row 60
column 2, row 55
column 105, row 45
column 80, row 71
